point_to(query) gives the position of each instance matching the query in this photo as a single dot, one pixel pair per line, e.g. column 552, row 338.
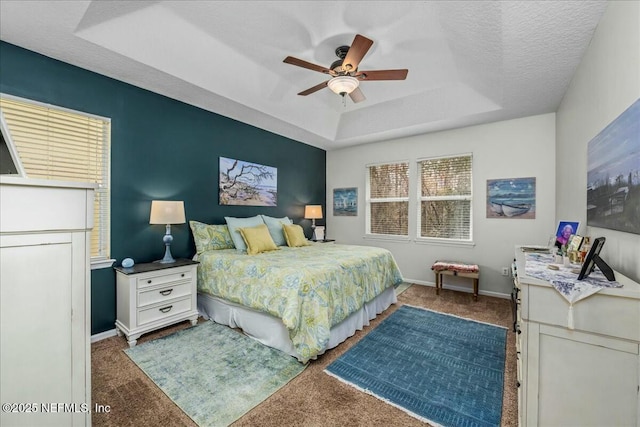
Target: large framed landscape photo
column 249, row 184
column 613, row 174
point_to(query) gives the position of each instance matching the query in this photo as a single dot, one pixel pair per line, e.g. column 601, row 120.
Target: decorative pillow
column 295, row 235
column 275, row 228
column 210, row 237
column 257, row 239
column 235, row 223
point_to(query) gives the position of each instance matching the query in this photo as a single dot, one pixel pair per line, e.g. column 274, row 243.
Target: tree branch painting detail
column 249, row 184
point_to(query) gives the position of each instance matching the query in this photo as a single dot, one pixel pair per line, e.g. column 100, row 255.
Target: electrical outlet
column 505, row 271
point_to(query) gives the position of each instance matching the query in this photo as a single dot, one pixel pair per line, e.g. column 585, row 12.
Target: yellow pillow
column 294, row 234
column 257, row 239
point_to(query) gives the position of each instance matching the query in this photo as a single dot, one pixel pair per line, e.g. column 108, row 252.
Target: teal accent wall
column 163, row 149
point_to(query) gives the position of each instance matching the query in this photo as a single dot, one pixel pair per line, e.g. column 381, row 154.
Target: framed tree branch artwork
column 248, row 184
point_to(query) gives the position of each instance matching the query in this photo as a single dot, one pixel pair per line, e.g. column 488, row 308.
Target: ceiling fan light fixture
column 343, row 85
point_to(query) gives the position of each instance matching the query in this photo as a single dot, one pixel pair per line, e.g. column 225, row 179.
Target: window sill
column 399, row 239
column 444, row 242
column 102, row 263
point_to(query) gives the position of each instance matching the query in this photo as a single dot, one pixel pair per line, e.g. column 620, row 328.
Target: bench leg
column 475, row 289
column 438, row 282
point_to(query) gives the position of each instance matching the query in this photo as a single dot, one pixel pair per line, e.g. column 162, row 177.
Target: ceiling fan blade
column 304, row 64
column 382, row 75
column 357, row 95
column 314, row 89
column 357, row 51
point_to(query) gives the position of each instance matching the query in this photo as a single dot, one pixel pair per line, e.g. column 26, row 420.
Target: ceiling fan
column 345, row 76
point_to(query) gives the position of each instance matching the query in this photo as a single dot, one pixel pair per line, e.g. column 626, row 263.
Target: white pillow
column 234, row 223
column 275, row 228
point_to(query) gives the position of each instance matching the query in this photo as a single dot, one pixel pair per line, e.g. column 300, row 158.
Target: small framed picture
column 564, row 232
column 574, row 243
column 318, row 233
column 345, row 201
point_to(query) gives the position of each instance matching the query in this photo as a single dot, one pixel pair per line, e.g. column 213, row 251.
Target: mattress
column 310, row 289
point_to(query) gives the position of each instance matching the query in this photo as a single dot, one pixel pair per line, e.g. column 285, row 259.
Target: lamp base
column 167, row 239
column 168, row 259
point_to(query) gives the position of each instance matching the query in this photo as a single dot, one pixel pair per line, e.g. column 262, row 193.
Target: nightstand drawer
column 151, row 296
column 161, row 279
column 161, row 311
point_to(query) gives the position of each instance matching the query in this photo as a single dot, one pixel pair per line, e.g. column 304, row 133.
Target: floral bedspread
column 310, row 288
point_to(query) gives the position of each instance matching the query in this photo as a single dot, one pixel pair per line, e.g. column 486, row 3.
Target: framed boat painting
column 345, row 201
column 511, row 198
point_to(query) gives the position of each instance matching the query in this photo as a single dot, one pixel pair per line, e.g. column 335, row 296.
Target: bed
column 300, row 300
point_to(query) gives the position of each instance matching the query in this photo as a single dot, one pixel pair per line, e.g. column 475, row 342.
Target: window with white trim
column 388, row 199
column 445, row 195
column 60, row 144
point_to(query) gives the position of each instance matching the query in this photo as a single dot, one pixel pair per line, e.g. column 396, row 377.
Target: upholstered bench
column 454, row 268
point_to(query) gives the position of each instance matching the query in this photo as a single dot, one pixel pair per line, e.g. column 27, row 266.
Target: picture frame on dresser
column 565, row 230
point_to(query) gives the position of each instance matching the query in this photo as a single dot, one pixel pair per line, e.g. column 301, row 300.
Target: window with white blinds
column 388, row 199
column 60, row 144
column 445, row 198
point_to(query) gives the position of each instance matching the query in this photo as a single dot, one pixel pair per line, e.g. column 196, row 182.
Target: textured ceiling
column 469, row 62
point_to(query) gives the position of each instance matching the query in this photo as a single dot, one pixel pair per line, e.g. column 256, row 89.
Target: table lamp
column 313, row 212
column 167, row 213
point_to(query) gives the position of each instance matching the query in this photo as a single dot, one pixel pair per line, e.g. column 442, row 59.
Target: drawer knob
column 182, row 275
column 166, row 292
column 166, row 309
column 148, row 281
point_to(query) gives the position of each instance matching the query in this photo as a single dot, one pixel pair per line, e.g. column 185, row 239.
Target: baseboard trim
column 460, row 289
column 103, row 335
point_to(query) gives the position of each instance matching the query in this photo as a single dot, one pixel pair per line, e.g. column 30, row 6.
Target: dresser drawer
column 599, row 313
column 165, row 310
column 149, row 280
column 148, row 296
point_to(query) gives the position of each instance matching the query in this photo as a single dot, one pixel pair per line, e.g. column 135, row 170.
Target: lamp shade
column 343, row 84
column 313, row 212
column 167, row 212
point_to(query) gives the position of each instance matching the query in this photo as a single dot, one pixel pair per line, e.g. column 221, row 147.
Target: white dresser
column 154, row 295
column 586, row 376
column 45, row 283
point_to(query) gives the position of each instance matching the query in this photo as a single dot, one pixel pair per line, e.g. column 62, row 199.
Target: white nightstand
column 154, row 295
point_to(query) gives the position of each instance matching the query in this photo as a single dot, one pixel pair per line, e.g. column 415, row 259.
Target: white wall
column 605, row 84
column 509, row 149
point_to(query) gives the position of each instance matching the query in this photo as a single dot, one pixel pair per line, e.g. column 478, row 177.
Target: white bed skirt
column 270, row 330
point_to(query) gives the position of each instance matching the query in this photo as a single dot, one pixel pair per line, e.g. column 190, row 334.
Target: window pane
column 446, row 176
column 390, row 180
column 390, row 218
column 446, row 219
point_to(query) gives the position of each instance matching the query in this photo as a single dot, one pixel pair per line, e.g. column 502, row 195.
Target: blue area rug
column 214, row 374
column 439, row 368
